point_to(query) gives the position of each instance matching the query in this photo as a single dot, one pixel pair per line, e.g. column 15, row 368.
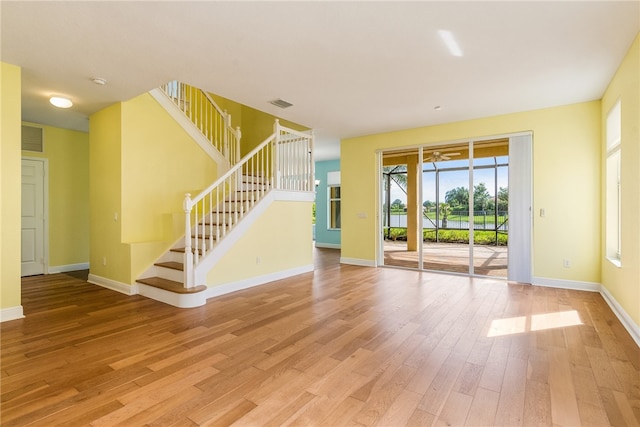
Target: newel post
column 188, row 252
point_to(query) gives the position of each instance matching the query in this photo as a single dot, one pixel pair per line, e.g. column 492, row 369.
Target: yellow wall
column 142, row 164
column 109, row 258
column 67, row 152
column 624, row 282
column 281, row 238
column 10, row 243
column 160, row 163
column 566, row 181
column 255, row 125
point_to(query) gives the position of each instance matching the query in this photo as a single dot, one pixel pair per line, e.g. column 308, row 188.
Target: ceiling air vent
column 281, row 103
column 32, row 139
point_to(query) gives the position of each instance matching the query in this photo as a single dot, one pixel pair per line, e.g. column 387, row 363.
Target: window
column 612, row 196
column 334, row 207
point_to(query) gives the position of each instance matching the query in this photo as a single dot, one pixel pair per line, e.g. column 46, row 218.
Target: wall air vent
column 32, row 139
column 281, row 103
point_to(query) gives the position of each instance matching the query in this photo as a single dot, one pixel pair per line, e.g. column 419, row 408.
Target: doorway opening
column 431, row 220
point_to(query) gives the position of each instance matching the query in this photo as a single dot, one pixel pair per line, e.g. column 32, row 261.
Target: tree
column 503, row 199
column 428, row 205
column 398, row 174
column 397, row 205
column 445, row 210
column 458, row 198
column 480, row 197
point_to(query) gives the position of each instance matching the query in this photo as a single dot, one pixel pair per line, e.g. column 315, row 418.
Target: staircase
column 283, row 161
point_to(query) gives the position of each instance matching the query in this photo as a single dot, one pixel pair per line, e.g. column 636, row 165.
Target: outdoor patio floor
column 450, row 257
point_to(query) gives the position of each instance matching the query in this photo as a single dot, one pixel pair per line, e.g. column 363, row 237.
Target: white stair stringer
column 220, row 249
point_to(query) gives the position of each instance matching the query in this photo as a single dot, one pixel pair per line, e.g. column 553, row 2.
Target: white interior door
column 520, row 208
column 33, row 217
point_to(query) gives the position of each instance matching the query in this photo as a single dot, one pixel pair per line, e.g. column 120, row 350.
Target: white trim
column 358, row 261
column 196, row 299
column 69, row 267
column 191, row 129
column 328, row 245
column 440, row 143
column 11, row 313
column 621, row 314
column 114, row 285
column 215, row 291
column 566, row 284
column 45, row 179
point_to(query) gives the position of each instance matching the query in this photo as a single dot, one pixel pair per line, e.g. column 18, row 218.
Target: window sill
column 615, row 261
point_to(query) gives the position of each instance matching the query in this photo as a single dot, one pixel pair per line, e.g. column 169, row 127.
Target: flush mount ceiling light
column 450, row 41
column 99, row 81
column 60, row 102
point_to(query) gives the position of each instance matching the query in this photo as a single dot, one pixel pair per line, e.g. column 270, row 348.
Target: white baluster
column 200, row 233
column 196, row 252
column 188, row 254
column 211, row 221
column 237, row 143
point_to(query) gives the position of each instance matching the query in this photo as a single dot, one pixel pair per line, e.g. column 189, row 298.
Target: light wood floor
column 344, row 345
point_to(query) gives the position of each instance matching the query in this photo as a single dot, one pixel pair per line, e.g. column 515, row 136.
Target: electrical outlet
column 258, row 260
column 566, row 263
column 104, row 260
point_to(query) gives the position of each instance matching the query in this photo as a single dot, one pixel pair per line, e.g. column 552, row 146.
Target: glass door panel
column 490, row 207
column 445, row 195
column 400, row 208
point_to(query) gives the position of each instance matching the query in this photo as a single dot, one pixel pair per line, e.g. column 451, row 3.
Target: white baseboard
column 11, row 313
column 227, row 288
column 358, row 261
column 69, row 267
column 328, row 245
column 566, row 284
column 625, row 319
column 114, row 285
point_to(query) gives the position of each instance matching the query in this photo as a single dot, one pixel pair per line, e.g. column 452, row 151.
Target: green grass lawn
column 452, row 236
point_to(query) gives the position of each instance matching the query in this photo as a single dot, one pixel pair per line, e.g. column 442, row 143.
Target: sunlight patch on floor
column 535, row 322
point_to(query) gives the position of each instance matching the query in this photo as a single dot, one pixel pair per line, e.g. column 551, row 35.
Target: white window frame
column 613, row 199
column 331, row 200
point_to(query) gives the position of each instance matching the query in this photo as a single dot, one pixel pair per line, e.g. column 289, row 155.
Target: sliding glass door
column 447, row 208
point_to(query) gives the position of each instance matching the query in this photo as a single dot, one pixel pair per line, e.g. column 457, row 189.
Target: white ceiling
column 349, row 68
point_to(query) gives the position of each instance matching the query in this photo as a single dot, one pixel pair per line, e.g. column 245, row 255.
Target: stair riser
column 174, row 256
column 170, row 274
column 250, row 179
column 200, row 243
column 248, row 186
column 209, row 229
column 245, row 196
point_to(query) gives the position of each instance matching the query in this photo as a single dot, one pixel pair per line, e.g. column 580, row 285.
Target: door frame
column 471, row 141
column 45, row 196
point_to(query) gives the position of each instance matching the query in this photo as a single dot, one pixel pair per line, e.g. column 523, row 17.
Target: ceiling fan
column 438, row 156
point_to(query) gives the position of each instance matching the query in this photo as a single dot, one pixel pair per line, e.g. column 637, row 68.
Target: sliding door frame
column 521, row 267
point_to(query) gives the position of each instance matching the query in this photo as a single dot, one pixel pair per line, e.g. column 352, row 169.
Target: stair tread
column 182, row 250
column 172, row 265
column 170, row 285
column 206, row 237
